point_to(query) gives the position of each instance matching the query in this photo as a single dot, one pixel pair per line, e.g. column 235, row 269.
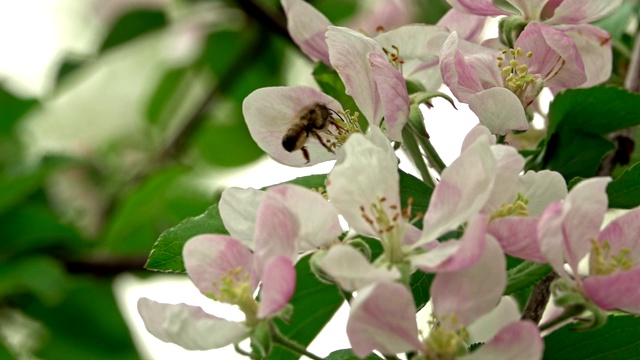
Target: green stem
column 568, row 313
column 283, row 341
column 412, row 148
column 244, row 353
column 432, row 155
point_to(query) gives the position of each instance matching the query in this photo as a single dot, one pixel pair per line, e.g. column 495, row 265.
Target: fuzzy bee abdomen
column 295, row 138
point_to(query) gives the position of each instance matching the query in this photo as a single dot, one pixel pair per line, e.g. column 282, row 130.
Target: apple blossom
column 570, row 230
column 572, row 17
column 382, row 316
column 223, row 269
column 500, row 94
column 317, row 218
column 271, row 112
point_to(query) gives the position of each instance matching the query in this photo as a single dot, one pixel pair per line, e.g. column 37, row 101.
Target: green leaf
column 413, row 188
column 617, row 339
column 524, row 276
column 13, row 109
column 599, row 110
column 132, row 25
column 575, row 153
column 168, row 94
column 314, row 304
column 616, row 23
column 166, row 254
column 161, row 202
column 40, row 275
column 624, row 192
column 347, row 354
column 34, row 225
column 310, row 182
column 420, row 284
column 225, row 139
column 331, row 84
column 86, row 325
column 578, row 121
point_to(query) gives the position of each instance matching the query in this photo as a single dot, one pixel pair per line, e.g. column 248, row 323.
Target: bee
column 312, row 120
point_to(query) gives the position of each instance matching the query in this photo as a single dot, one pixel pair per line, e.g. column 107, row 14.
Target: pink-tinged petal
column 457, row 74
column 379, row 15
column 207, row 258
column 415, row 41
column 541, row 189
column 509, row 164
column 555, row 56
column 594, row 46
column 318, row 218
column 582, row 11
column 474, row 291
column 518, row 237
column 307, row 27
column 393, row 94
column 551, row 239
column 479, row 131
column 519, row 340
column 468, row 26
column 383, row 318
column 418, row 46
column 530, row 9
column 463, row 190
column 189, row 326
column 587, row 203
column 487, row 326
column 499, row 109
column 238, row 209
column 411, row 234
column 278, row 284
column 376, row 179
column 348, row 51
column 623, row 233
column 277, row 231
column 270, row 112
column 477, row 7
column 617, row 291
column 468, row 251
column 351, row 270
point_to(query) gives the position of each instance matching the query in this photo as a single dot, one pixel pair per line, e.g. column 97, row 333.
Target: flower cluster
column 483, row 207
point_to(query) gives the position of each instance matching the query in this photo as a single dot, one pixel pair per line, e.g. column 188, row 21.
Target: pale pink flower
column 570, row 230
column 382, row 315
column 227, row 270
column 499, row 87
column 223, row 269
column 572, row 17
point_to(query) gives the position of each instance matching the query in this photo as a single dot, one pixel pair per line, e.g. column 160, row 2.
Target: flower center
column 235, row 288
column 444, row 343
column 602, row 262
column 394, row 57
column 516, row 77
column 517, row 208
column 385, row 220
column 345, row 124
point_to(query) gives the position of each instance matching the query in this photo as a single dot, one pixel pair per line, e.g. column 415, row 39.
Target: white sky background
column 33, row 36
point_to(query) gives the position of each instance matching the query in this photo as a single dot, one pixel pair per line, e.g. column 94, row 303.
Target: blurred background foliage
column 126, row 135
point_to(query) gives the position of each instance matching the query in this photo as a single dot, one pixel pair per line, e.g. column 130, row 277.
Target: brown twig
column 538, row 299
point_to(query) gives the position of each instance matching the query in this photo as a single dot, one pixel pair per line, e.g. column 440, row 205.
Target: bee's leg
column 323, row 143
column 305, row 152
column 338, row 126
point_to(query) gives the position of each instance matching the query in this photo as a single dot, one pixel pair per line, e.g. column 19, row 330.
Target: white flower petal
column 189, row 326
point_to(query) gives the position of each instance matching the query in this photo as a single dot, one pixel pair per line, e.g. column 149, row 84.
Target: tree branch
column 538, row 299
